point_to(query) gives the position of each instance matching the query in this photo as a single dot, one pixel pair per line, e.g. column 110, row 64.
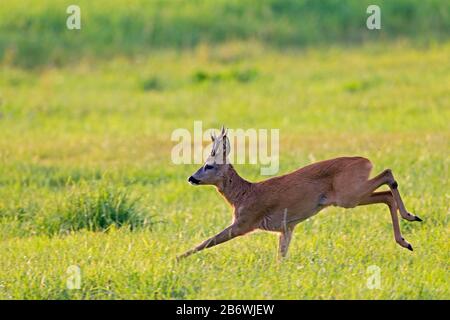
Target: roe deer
column 280, row 203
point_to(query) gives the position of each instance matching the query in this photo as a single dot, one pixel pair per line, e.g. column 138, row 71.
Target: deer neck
column 233, row 187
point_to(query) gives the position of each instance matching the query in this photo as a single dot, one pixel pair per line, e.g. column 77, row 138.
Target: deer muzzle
column 193, row 181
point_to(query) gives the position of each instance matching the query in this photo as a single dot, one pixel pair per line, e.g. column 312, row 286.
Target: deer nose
column 192, row 180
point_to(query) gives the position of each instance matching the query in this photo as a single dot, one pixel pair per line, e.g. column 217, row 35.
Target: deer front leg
column 228, row 233
column 284, row 241
column 285, row 236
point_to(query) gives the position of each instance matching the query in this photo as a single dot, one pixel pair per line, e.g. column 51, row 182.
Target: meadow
column 86, row 177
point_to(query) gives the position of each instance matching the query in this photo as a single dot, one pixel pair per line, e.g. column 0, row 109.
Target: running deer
column 278, row 204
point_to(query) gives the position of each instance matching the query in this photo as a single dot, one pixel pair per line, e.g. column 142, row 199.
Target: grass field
column 86, row 178
column 86, row 147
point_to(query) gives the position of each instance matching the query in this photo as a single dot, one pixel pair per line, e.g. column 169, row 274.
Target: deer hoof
column 405, row 244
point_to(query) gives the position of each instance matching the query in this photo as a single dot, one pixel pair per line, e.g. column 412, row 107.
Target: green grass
column 77, row 140
column 33, row 33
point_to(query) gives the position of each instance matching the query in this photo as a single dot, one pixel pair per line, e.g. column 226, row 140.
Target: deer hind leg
column 387, row 198
column 386, row 177
column 356, row 190
column 393, row 185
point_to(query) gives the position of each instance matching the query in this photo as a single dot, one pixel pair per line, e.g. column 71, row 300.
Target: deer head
column 215, row 167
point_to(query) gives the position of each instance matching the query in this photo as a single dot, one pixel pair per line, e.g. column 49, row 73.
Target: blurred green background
column 33, row 33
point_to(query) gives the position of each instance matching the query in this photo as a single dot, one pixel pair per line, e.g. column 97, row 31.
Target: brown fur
column 279, row 203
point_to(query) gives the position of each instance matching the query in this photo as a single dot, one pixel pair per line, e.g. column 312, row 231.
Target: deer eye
column 208, row 167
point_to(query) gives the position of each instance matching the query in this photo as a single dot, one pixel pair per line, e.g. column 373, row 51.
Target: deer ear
column 224, row 131
column 221, row 150
column 227, row 145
